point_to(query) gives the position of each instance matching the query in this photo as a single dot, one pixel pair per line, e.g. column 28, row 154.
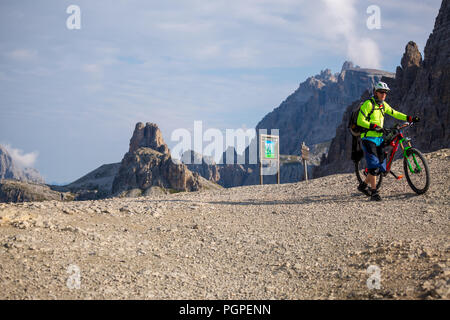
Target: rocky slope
column 421, row 87
column 20, row 191
column 9, row 169
column 307, row 240
column 99, row 180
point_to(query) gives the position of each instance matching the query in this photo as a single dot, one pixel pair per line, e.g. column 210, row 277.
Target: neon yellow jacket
column 376, row 117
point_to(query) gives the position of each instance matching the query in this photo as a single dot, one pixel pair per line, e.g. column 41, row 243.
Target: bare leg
column 372, row 181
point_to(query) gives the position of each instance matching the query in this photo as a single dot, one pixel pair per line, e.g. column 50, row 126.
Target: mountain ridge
column 10, row 169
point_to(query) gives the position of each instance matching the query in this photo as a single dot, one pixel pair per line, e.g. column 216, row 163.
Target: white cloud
column 26, row 160
column 92, row 68
column 23, row 55
column 341, row 17
column 209, row 51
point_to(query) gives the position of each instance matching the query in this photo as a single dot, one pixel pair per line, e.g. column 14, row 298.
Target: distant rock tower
column 148, row 136
column 148, row 164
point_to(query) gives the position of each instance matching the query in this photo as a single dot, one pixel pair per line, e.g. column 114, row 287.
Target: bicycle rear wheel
column 361, row 172
column 416, row 171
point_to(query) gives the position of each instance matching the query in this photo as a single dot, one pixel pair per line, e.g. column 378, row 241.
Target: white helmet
column 381, row 86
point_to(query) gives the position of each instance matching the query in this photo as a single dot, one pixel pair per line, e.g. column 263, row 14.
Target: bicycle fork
column 405, row 154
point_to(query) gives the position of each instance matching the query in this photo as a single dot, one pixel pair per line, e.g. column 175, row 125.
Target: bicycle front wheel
column 361, row 172
column 416, row 171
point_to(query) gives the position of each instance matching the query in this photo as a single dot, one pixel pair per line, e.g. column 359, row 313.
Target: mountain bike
column 415, row 165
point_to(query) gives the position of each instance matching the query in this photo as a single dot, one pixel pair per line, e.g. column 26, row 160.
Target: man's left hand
column 413, row 119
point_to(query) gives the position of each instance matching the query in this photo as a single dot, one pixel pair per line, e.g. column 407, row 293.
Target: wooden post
column 260, row 161
column 305, row 157
column 305, row 168
column 279, row 159
column 260, row 173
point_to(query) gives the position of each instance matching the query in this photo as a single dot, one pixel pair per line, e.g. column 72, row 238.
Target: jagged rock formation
column 9, row 169
column 148, row 164
column 314, row 110
column 407, row 72
column 429, row 95
column 420, row 88
column 148, row 136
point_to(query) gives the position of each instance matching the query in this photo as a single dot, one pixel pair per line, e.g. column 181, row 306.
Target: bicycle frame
column 399, row 139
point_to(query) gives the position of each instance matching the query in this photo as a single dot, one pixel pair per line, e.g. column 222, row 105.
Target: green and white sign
column 269, row 155
column 269, row 149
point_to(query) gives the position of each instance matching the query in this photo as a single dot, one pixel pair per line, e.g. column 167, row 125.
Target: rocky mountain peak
column 411, row 57
column 314, row 83
column 410, row 64
column 10, row 169
column 5, row 164
column 348, row 65
column 436, row 49
column 148, row 136
column 326, row 75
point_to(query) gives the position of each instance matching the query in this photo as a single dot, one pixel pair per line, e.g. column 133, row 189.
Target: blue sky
column 69, row 99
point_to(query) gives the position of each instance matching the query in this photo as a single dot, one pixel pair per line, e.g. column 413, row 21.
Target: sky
column 71, row 97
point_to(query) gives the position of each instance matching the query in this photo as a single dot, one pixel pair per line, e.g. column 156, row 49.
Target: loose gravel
column 319, row 239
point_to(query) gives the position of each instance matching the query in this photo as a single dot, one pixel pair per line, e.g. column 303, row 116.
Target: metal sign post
column 269, row 150
column 305, row 157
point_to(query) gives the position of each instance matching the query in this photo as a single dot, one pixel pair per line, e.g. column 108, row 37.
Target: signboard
column 269, row 154
column 269, row 148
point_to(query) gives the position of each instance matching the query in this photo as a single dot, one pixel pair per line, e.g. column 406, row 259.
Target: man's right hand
column 376, row 127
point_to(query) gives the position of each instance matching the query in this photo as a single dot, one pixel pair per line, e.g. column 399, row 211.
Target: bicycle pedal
column 395, row 176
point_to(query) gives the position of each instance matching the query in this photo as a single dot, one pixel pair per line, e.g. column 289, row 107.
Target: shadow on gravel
column 303, row 200
column 324, row 199
column 402, row 196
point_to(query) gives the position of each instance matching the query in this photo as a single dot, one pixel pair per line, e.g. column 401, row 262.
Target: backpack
column 356, row 130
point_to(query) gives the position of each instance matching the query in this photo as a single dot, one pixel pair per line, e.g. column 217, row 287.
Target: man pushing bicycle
column 371, row 117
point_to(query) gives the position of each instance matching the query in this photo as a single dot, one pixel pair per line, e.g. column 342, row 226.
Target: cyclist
column 371, row 117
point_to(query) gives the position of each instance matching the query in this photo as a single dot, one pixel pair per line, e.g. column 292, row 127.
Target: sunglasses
column 382, row 91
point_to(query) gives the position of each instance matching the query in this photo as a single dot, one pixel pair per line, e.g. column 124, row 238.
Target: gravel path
column 306, row 240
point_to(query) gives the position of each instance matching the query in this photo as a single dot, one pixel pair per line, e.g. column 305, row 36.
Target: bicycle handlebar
column 390, row 133
column 399, row 127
